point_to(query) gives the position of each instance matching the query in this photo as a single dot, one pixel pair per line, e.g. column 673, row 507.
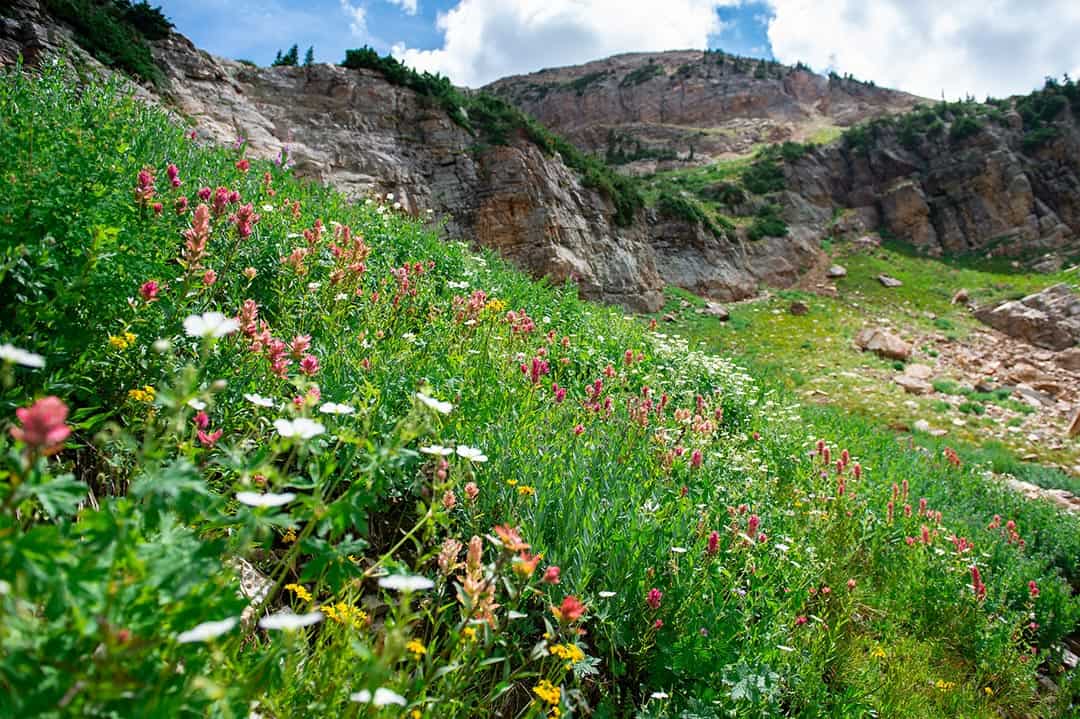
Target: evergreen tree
column 277, row 60
column 309, row 57
column 292, row 57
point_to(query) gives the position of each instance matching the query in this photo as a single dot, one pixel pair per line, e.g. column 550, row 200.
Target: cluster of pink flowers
column 196, row 238
column 206, row 437
column 977, row 585
column 405, row 277
column 536, row 369
column 468, row 309
column 44, row 425
column 244, row 218
column 520, row 322
column 351, row 257
column 219, row 199
column 173, row 173
column 149, row 291
column 653, row 598
column 144, row 187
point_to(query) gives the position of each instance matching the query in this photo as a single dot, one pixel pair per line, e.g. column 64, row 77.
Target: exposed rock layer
column 984, row 194
column 676, row 101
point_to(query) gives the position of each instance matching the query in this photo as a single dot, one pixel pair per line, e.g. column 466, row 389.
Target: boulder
column 961, row 297
column 882, row 343
column 914, row 385
column 1049, row 319
column 919, row 371
column 889, row 281
column 836, row 271
column 712, row 309
column 1069, row 359
column 798, row 308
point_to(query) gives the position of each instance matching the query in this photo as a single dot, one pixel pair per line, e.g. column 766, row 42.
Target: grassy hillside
column 473, row 493
column 814, row 355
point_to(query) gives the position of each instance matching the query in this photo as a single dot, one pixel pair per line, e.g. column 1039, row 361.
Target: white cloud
column 484, row 40
column 407, row 6
column 978, row 47
column 358, row 17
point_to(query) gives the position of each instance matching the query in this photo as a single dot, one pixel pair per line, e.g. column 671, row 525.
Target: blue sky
column 256, row 29
column 977, row 47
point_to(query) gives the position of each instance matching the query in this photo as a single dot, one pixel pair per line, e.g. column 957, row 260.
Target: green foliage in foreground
column 497, row 122
column 714, row 562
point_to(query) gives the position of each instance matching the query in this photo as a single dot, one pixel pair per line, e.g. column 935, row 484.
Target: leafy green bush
column 642, row 74
column 116, row 32
column 676, row 204
column 964, row 127
column 764, row 175
column 767, row 223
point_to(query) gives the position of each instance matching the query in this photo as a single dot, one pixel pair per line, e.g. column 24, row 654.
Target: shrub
column 964, row 127
column 767, row 223
column 116, row 33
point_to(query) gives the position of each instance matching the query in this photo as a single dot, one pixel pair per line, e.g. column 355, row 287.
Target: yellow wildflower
column 469, row 633
column 570, row 652
column 878, row 652
column 989, row 691
column 418, row 650
column 944, row 685
column 416, row 714
column 146, row 394
column 548, row 692
column 511, row 482
column 290, row 536
column 345, row 614
column 122, row 342
column 495, row 306
column 300, row 591
column 526, row 491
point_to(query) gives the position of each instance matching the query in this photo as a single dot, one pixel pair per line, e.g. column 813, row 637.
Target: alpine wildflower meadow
column 268, row 452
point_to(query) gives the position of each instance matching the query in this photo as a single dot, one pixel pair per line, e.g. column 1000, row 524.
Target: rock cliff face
column 672, row 102
column 353, row 129
column 986, row 193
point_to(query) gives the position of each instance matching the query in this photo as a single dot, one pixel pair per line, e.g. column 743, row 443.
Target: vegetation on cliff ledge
column 495, row 121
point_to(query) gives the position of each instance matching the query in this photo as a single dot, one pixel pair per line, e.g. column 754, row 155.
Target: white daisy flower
column 196, row 404
column 435, row 404
column 679, row 550
column 471, row 453
column 383, row 697
column 516, row 615
column 206, row 631
column 607, row 595
column 210, row 324
column 301, row 427
column 259, row 400
column 11, row 353
column 287, row 621
column 406, row 583
column 335, row 408
column 438, row 450
column 658, row 695
column 269, row 499
column 457, row 285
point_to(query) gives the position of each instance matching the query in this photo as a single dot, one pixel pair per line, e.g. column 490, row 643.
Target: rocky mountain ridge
column 650, row 110
column 358, row 131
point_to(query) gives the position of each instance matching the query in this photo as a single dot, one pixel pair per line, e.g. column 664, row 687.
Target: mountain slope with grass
column 649, row 111
column 266, row 451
